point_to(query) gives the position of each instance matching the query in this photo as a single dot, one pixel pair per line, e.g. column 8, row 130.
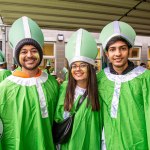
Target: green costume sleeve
column 60, row 104
column 146, row 98
column 4, row 74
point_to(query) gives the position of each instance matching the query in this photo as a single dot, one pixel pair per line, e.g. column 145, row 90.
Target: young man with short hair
column 125, row 92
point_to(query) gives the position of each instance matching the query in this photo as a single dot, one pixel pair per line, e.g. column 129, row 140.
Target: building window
column 135, row 55
column 49, row 56
column 148, row 60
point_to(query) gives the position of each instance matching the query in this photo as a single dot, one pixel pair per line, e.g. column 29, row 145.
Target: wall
column 51, row 36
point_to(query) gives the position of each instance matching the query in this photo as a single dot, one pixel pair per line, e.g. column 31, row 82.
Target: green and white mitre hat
column 81, row 47
column 25, row 31
column 2, row 58
column 14, row 61
column 117, row 28
column 64, row 70
column 48, row 63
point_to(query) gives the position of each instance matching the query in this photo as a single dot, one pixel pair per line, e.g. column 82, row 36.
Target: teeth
column 118, row 59
column 78, row 75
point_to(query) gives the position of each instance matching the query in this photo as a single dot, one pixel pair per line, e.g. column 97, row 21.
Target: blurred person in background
column 4, row 73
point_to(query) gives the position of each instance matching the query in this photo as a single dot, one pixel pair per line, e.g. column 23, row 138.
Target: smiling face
column 29, row 57
column 118, row 54
column 79, row 71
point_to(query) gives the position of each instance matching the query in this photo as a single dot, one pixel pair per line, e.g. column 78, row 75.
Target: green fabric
column 4, row 74
column 50, row 70
column 48, row 63
column 130, row 130
column 86, row 134
column 66, row 76
column 18, row 68
column 18, row 30
column 80, row 47
column 45, row 70
column 24, row 127
column 2, row 58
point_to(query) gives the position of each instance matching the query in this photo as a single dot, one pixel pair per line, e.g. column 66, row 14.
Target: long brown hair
column 92, row 90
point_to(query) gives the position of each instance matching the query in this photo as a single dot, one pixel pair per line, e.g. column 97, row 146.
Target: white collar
column 127, row 77
column 29, row 81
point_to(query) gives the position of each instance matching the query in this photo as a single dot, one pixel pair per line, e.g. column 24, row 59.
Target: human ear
column 106, row 53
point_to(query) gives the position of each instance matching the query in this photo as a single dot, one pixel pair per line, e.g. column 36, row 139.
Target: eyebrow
column 79, row 64
column 30, row 49
column 119, row 46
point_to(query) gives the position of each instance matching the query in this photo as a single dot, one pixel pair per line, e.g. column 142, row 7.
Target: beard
column 30, row 68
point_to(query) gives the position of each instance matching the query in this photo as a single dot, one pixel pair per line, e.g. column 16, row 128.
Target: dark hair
column 1, row 65
column 141, row 64
column 93, row 98
column 115, row 39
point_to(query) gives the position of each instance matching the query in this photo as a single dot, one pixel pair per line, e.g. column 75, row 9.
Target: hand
column 59, row 80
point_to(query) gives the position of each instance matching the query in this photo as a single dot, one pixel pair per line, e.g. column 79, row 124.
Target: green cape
column 27, row 108
column 127, row 127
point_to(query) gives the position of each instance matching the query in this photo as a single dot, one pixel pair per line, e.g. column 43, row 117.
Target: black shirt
column 130, row 67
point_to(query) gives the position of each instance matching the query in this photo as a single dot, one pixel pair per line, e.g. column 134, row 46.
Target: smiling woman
column 79, row 71
column 81, row 51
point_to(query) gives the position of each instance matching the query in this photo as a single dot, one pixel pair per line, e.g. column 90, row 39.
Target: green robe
column 126, row 109
column 27, row 108
column 4, row 74
column 86, row 134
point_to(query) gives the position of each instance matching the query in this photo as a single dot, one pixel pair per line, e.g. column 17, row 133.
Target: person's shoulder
column 6, row 84
column 8, row 72
column 51, row 79
column 64, row 84
column 100, row 74
column 140, row 72
column 147, row 73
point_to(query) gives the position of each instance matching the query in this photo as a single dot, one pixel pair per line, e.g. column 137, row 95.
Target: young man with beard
column 29, row 96
column 125, row 92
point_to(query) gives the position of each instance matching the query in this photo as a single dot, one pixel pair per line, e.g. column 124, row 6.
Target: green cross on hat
column 117, row 28
column 81, row 47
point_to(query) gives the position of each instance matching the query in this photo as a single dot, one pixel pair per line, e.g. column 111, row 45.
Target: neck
column 82, row 84
column 119, row 70
column 31, row 73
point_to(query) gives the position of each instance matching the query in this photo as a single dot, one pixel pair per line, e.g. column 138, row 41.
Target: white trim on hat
column 114, row 35
column 78, row 42
column 26, row 27
column 116, row 27
column 82, row 58
column 2, row 62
